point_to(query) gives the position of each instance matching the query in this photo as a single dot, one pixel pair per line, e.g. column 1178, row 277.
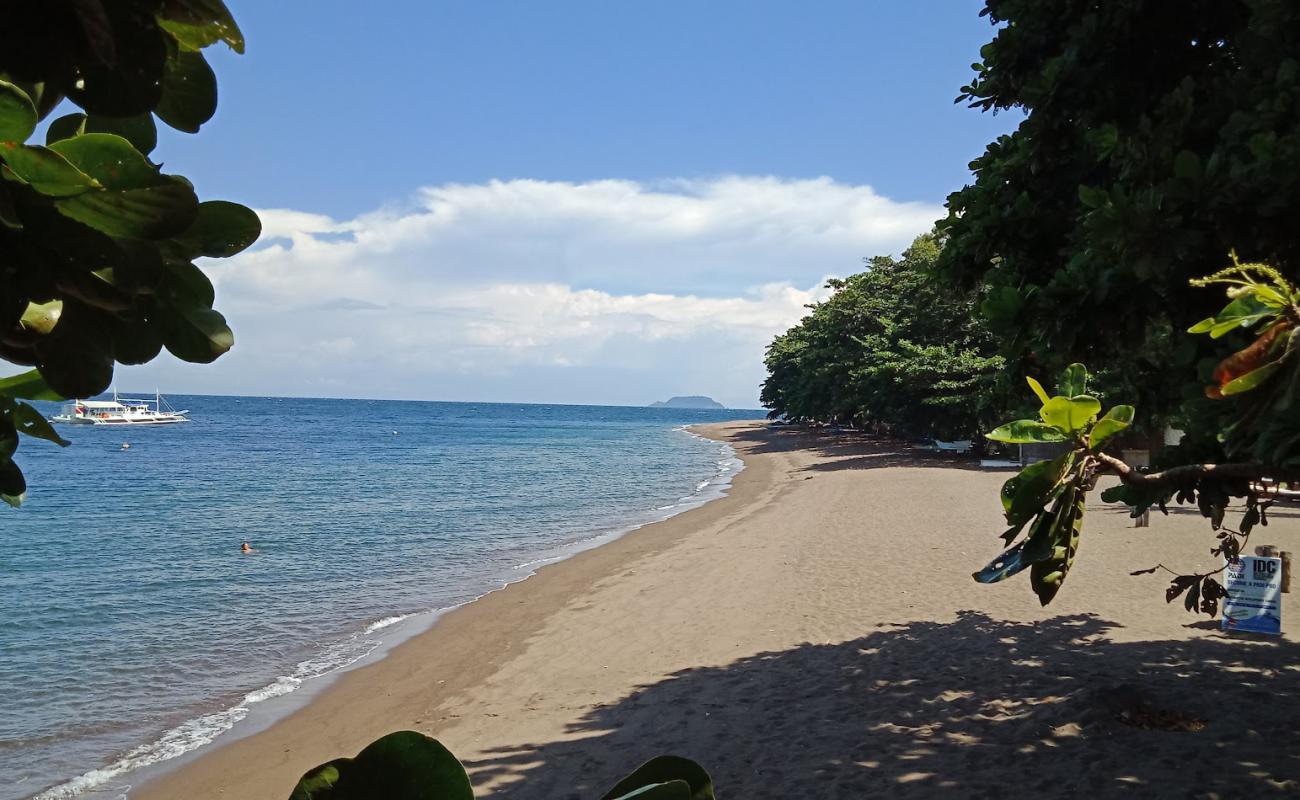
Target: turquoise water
column 133, row 630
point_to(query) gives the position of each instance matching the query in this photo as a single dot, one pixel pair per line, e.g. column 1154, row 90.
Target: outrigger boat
column 120, row 412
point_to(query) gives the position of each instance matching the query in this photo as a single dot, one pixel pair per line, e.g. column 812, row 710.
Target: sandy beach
column 816, row 633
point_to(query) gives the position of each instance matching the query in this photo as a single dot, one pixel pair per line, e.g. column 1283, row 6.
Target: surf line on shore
column 362, row 647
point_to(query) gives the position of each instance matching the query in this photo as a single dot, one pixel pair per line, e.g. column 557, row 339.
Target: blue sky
column 557, row 192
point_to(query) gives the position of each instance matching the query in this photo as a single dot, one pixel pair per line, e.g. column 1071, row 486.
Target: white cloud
column 610, row 291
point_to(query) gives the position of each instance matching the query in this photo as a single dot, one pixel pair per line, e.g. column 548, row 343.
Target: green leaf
column 1251, row 379
column 139, row 130
column 1116, row 420
column 1070, row 414
column 1073, row 381
column 199, row 23
column 1008, row 563
column 1245, row 310
column 1002, row 306
column 186, row 286
column 402, row 766
column 156, row 212
column 1026, row 431
column 28, row 385
column 13, row 486
column 65, row 127
column 1038, row 389
column 1204, row 326
column 1093, row 197
column 189, row 96
column 664, row 771
column 198, row 335
column 1025, row 494
column 31, row 422
column 1187, row 165
column 109, row 159
column 221, row 229
column 45, row 170
column 8, row 432
column 17, row 114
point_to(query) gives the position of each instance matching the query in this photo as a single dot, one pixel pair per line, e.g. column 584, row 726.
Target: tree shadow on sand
column 848, row 449
column 970, row 708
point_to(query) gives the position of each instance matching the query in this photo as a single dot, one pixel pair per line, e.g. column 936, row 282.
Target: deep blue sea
column 132, row 630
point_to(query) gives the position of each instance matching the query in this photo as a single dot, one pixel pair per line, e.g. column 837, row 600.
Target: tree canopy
column 889, row 346
column 1160, row 141
column 1157, row 138
column 98, row 243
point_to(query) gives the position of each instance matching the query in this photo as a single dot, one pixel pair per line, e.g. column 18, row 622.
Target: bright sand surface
column 816, row 634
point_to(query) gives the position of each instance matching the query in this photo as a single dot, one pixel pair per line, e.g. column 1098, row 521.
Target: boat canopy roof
column 98, row 403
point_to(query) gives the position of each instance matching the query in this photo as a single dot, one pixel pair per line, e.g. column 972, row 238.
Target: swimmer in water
column 246, row 548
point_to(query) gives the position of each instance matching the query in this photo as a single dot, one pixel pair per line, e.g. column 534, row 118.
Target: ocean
column 132, row 630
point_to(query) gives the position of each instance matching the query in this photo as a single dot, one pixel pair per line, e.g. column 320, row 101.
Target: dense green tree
column 97, row 244
column 1157, row 137
column 889, row 346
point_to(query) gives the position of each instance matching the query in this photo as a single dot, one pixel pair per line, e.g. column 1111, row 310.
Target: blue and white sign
column 1254, row 601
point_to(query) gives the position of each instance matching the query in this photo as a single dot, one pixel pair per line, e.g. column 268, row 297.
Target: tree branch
column 1177, row 476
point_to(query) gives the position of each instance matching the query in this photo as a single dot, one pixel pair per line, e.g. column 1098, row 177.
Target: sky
column 577, row 202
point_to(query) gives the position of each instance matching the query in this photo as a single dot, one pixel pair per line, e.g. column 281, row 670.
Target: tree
column 890, row 346
column 1157, row 137
column 98, row 244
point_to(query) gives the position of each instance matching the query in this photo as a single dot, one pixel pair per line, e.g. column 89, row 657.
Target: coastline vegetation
column 99, row 243
column 1087, row 236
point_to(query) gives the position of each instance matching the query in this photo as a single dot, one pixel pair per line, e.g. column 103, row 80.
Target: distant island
column 691, row 401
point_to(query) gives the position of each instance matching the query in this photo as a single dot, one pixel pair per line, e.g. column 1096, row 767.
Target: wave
column 195, row 733
column 202, row 730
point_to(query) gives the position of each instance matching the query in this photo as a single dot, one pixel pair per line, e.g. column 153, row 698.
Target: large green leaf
column 1070, row 414
column 1037, row 387
column 28, row 385
column 65, row 127
column 155, row 212
column 1245, row 310
column 189, row 96
column 1026, row 431
column 1073, row 381
column 8, row 432
column 1116, row 420
column 31, row 422
column 1251, row 379
column 400, row 766
column 199, row 23
column 186, row 286
column 135, row 341
column 221, row 229
column 109, row 159
column 1048, row 574
column 1008, row 563
column 198, row 335
column 679, row 777
column 17, row 114
column 1025, row 494
column 139, row 130
column 45, row 170
column 13, row 486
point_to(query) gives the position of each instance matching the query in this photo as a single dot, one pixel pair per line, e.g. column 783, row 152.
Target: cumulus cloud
column 610, row 291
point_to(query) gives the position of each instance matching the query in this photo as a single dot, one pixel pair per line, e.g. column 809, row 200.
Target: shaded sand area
column 817, row 634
